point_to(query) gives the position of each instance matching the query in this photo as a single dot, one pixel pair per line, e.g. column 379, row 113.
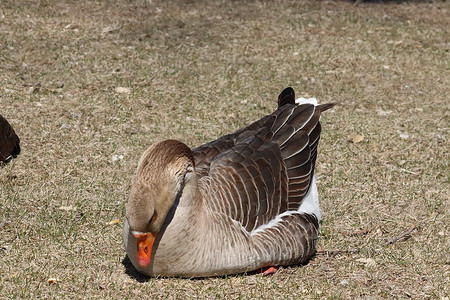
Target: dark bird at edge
column 9, row 142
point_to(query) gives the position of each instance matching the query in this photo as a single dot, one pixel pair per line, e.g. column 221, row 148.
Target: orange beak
column 145, row 244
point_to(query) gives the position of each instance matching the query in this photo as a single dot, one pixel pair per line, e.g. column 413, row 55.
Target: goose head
column 163, row 171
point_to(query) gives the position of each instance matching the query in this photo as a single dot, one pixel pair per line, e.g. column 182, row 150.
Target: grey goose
column 246, row 201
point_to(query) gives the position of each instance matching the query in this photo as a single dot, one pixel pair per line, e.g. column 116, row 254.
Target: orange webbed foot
column 270, row 271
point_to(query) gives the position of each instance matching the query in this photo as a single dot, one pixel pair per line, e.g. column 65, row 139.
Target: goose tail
column 310, row 203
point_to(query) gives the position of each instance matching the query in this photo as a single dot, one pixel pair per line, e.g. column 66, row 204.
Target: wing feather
column 265, row 169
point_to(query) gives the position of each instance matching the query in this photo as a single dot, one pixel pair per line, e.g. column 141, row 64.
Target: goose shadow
column 131, row 271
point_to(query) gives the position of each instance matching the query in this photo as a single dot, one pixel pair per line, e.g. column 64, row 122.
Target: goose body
column 9, row 141
column 245, row 201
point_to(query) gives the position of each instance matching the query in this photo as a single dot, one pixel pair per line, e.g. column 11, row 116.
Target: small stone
column 324, row 268
column 381, row 112
column 52, row 280
column 344, row 282
column 404, row 136
column 369, row 262
column 356, row 138
column 123, row 90
column 116, row 157
column 67, row 208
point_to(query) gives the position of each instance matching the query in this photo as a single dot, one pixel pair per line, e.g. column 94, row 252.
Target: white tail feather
column 302, row 100
column 310, row 203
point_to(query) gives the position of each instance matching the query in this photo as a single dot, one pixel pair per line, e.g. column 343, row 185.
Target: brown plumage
column 9, row 141
column 245, row 201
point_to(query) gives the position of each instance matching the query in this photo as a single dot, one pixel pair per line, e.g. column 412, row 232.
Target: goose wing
column 205, row 154
column 265, row 169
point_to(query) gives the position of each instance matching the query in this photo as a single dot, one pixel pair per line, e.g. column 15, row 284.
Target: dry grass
column 200, row 69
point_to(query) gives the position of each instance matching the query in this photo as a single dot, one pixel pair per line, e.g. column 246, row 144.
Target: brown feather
column 287, row 96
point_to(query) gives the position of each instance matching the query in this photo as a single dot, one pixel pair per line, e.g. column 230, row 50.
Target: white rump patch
column 310, row 203
column 302, row 100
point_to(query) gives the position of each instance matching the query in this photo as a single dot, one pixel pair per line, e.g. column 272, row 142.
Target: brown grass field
column 89, row 85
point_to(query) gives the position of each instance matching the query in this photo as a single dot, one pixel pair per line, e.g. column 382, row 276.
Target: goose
column 247, row 201
column 9, row 142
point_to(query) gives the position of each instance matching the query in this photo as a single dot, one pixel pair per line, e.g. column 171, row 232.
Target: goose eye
column 152, row 219
column 187, row 171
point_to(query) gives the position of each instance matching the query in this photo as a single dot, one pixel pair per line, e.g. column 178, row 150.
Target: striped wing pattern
column 264, row 169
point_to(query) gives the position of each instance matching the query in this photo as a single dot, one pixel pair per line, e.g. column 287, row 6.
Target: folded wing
column 265, row 169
